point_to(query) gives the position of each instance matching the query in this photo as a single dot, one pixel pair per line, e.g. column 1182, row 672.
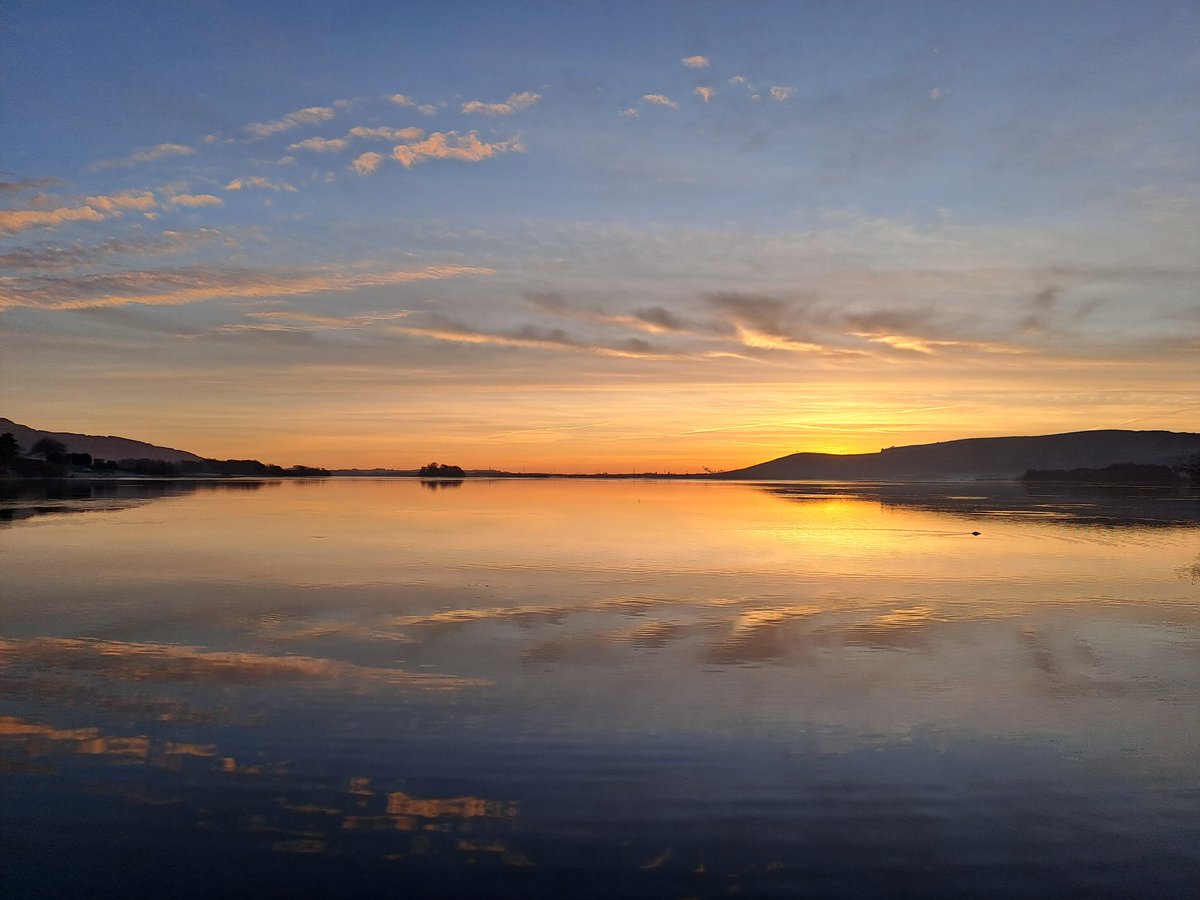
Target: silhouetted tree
column 50, row 449
column 9, row 448
column 433, row 470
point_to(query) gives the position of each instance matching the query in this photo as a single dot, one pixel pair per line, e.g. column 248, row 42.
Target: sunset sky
column 597, row 236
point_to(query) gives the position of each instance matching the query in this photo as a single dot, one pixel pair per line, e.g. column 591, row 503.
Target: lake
column 575, row 688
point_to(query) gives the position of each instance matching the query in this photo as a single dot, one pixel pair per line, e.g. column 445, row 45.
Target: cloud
column 629, row 113
column 150, row 154
column 54, row 257
column 659, row 100
column 427, row 109
column 368, row 163
column 389, row 134
column 762, row 322
column 740, row 79
column 175, row 287
column 113, row 204
column 312, row 115
column 452, row 145
column 528, row 336
column 257, row 181
column 696, row 62
column 661, row 319
column 28, row 184
column 781, row 93
column 301, row 321
column 935, row 94
column 321, row 145
column 93, row 209
column 402, row 100
column 705, row 93
column 194, row 200
column 14, row 220
column 654, row 319
column 514, row 103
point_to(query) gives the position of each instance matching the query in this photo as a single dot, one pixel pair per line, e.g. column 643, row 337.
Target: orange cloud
column 390, row 134
column 312, row 115
column 660, row 100
column 94, row 209
column 320, row 145
column 257, row 181
column 367, row 163
column 514, row 103
column 13, row 220
column 196, row 200
column 150, row 154
column 705, row 93
column 452, row 145
column 113, row 204
column 178, row 287
column 696, row 62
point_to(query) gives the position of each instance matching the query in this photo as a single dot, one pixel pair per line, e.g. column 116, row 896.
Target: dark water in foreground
column 598, row 689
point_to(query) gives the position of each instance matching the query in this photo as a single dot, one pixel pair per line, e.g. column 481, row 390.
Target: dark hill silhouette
column 1000, row 457
column 100, row 447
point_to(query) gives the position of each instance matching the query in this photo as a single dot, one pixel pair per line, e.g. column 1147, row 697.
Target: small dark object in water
column 976, row 533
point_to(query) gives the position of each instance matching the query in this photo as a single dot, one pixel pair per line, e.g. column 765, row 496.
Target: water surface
column 588, row 688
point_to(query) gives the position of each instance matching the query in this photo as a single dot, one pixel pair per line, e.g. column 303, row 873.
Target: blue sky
column 597, row 235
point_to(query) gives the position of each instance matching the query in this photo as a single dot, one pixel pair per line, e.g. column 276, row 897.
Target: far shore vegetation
column 49, row 458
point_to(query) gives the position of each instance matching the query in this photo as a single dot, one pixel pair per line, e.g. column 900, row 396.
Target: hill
column 100, row 447
column 1001, row 457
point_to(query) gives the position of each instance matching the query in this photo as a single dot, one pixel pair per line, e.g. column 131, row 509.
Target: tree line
column 49, row 458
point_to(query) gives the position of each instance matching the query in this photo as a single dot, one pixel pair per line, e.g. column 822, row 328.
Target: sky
column 590, row 237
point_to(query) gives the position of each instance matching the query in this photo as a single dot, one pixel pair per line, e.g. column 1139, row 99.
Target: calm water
column 608, row 689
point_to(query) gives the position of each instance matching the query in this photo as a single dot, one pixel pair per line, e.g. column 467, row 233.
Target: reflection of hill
column 1069, row 504
column 23, row 499
column 1003, row 457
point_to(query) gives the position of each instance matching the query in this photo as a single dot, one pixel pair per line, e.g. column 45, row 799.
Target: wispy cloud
column 312, row 115
column 321, row 145
column 659, row 100
column 175, row 287
column 294, row 321
column 630, row 113
column 368, row 163
column 696, row 62
column 124, row 200
column 150, row 154
column 28, row 184
column 705, row 93
column 14, row 220
column 387, row 134
column 194, row 200
column 532, row 337
column 452, row 145
column 781, row 93
column 257, row 181
column 514, row 103
column 93, row 209
column 54, row 257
